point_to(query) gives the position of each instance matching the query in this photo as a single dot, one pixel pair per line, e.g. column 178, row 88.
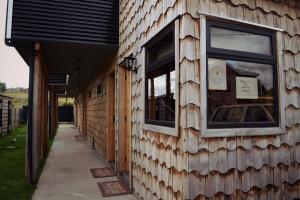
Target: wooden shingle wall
column 158, row 162
column 189, row 167
column 264, row 167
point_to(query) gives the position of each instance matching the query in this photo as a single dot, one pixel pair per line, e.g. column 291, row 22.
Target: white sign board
column 217, row 74
column 246, row 88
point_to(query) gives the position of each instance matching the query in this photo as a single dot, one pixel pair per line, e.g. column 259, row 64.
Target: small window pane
column 240, row 41
column 173, row 83
column 161, row 49
column 248, row 95
column 160, row 85
column 160, row 101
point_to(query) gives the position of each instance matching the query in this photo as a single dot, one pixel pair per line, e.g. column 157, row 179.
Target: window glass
column 160, row 84
column 257, row 113
column 240, row 91
column 162, row 49
column 160, row 100
column 240, row 41
column 173, row 83
column 99, row 89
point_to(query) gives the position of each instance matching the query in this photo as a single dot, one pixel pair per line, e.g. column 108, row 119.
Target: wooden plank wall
column 95, row 109
column 4, row 129
column 97, row 115
column 79, row 113
column 15, row 117
column 191, row 167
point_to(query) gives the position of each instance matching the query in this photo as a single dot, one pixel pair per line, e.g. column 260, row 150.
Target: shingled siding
column 189, row 166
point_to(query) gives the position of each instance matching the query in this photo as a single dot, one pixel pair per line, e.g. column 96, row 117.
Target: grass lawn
column 12, row 167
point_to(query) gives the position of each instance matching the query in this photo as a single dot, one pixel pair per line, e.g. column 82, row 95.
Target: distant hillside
column 19, row 95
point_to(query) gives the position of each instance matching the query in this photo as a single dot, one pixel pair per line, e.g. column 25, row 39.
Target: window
column 99, row 89
column 160, row 79
column 241, row 76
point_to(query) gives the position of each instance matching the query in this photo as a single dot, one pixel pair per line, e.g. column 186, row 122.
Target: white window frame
column 171, row 131
column 231, row 132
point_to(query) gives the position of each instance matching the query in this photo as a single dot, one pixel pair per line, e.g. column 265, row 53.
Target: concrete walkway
column 66, row 175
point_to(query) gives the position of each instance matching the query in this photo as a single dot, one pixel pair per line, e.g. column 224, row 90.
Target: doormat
column 80, row 137
column 113, row 188
column 103, row 172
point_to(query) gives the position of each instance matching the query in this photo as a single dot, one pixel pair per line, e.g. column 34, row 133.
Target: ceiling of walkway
column 81, row 62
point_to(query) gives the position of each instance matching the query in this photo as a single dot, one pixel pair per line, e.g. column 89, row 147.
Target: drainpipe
column 29, row 124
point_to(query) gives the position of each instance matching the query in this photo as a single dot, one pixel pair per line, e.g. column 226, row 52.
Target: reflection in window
column 241, row 76
column 240, row 41
column 160, row 79
column 160, row 85
column 257, row 113
column 160, row 98
column 249, row 95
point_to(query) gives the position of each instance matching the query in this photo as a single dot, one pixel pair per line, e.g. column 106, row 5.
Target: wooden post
column 38, row 144
column 35, row 111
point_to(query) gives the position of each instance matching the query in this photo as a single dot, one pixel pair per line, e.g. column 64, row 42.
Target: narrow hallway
column 66, row 174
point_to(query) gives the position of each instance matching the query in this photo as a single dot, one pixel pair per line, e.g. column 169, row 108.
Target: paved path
column 66, row 175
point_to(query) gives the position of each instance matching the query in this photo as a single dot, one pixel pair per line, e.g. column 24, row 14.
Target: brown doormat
column 113, row 188
column 103, row 172
column 80, row 137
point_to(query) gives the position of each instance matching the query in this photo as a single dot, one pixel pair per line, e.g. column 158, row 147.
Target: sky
column 13, row 70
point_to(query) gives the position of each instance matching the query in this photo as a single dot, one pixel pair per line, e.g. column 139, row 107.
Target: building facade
column 200, row 100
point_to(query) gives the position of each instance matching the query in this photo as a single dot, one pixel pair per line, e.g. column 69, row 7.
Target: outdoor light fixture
column 130, row 63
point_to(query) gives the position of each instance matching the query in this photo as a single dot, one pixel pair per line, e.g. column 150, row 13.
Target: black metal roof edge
column 22, row 42
column 1, row 95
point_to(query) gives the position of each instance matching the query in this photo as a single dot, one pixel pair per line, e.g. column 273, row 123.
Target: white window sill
column 243, row 132
column 161, row 129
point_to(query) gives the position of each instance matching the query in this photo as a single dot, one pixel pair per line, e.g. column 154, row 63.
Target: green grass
column 65, row 101
column 13, row 184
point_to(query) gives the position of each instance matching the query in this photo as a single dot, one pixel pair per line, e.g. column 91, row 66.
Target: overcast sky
column 13, row 70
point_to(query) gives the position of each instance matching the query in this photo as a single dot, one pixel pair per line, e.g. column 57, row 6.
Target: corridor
column 66, row 174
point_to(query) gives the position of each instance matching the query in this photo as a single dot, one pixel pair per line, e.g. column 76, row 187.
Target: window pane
column 160, row 101
column 240, row 41
column 160, row 85
column 161, row 49
column 173, row 83
column 248, row 94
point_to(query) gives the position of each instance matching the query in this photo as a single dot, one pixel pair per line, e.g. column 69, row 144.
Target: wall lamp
column 130, row 63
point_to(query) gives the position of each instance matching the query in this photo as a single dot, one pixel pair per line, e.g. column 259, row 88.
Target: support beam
column 37, row 140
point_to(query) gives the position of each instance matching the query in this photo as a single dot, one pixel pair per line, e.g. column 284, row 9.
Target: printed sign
column 246, row 88
column 217, row 74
